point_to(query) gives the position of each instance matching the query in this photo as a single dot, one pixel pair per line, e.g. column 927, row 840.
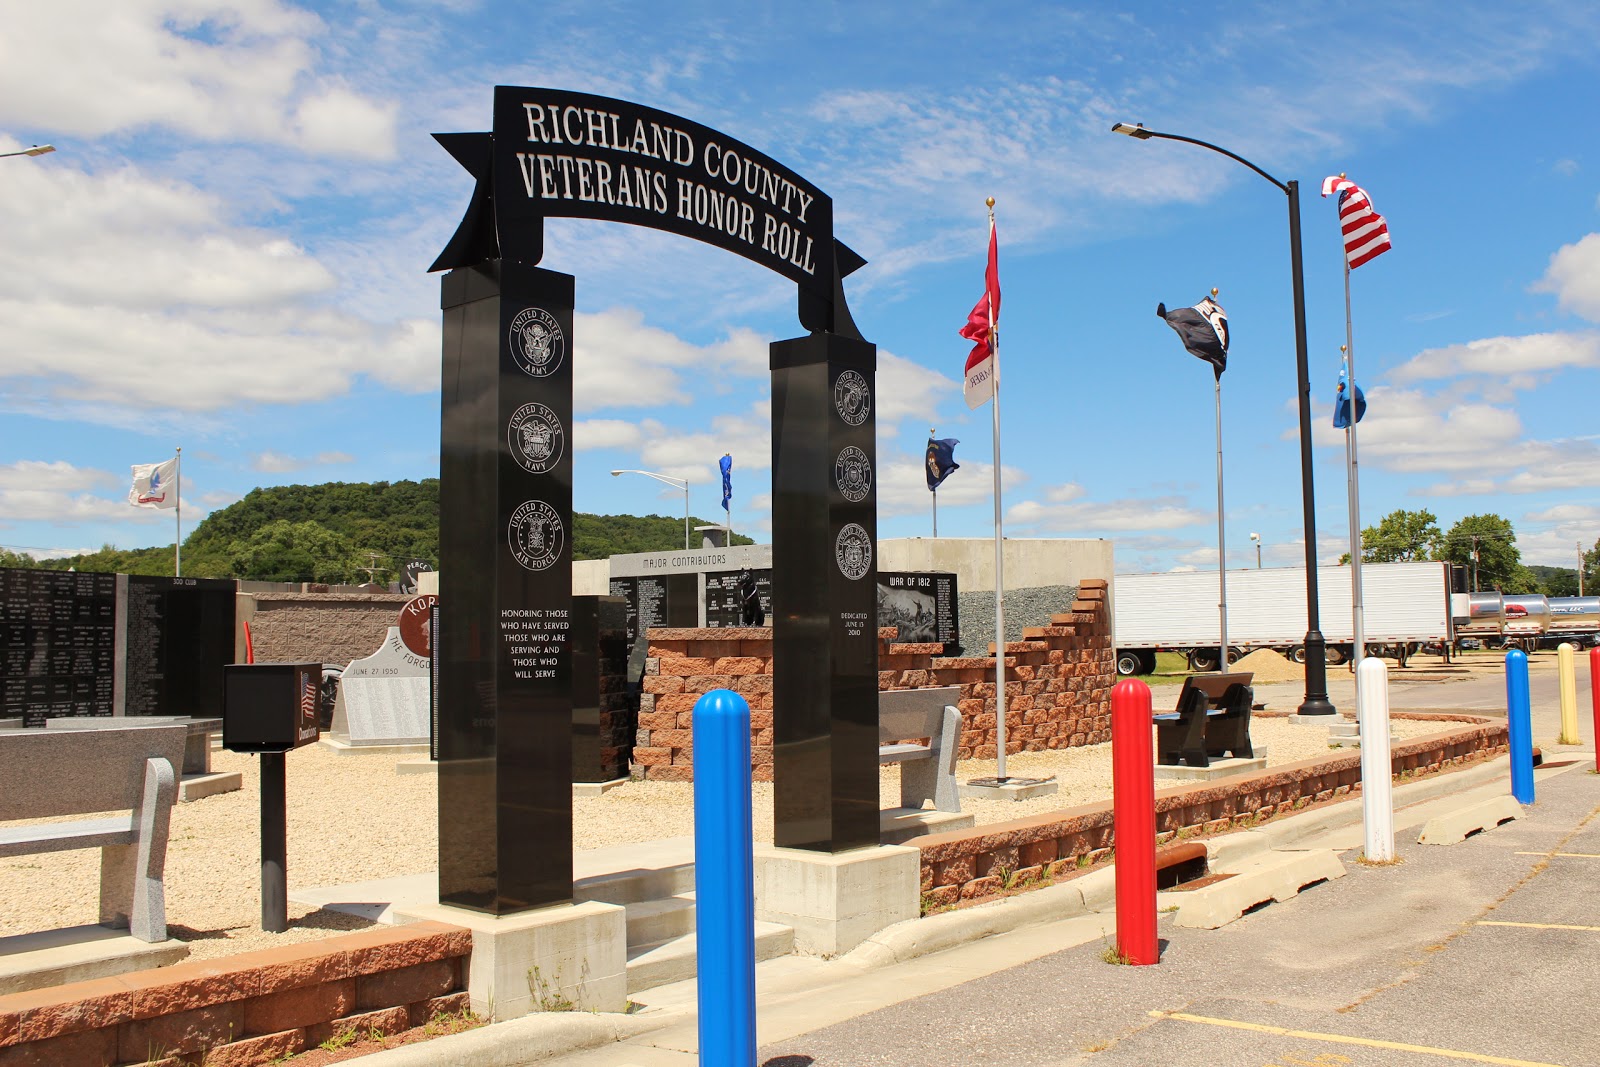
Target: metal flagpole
column 1222, row 541
column 1353, row 481
column 999, row 551
column 177, row 516
column 935, row 493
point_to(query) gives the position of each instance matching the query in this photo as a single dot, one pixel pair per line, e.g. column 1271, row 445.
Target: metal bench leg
column 132, row 890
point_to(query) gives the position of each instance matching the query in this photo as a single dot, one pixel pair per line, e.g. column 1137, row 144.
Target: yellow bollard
column 1567, row 678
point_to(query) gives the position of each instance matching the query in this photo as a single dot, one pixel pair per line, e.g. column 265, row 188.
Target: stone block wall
column 319, row 627
column 1058, row 686
column 244, row 1010
column 965, row 864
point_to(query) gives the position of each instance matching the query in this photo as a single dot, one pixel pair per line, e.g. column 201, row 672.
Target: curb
column 519, row 1041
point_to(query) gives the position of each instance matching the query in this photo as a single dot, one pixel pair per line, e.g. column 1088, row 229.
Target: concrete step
column 634, row 886
column 674, row 959
column 652, row 921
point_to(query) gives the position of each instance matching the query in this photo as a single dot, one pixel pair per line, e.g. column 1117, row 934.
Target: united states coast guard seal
column 536, row 342
column 536, row 437
column 853, row 551
column 535, row 534
column 852, row 473
column 851, row 398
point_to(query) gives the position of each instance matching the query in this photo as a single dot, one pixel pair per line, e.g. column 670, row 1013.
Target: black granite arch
column 504, row 671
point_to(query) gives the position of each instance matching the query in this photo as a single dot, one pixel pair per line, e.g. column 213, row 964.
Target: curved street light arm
column 1144, row 134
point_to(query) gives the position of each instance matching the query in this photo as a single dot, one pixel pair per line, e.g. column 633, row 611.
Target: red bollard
column 1133, row 787
column 1594, row 696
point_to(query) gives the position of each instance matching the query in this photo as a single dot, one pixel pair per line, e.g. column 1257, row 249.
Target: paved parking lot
column 1481, row 952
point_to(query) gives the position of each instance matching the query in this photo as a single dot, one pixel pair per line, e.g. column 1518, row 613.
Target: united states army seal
column 537, row 344
column 536, row 437
column 852, row 549
column 851, row 398
column 852, row 473
column 535, row 534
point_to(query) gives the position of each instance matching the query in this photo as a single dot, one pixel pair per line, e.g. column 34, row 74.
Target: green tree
column 283, row 551
column 12, row 559
column 1556, row 581
column 1487, row 546
column 1402, row 536
column 1591, row 570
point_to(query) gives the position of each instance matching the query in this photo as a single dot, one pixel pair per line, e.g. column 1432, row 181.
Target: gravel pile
column 1269, row 666
column 1032, row 606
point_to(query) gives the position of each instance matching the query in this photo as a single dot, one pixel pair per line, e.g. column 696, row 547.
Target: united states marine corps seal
column 852, row 473
column 852, row 549
column 535, row 534
column 536, row 438
column 851, row 398
column 536, row 342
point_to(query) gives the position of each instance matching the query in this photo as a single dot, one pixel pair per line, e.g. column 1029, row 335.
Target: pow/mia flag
column 1204, row 329
column 940, row 460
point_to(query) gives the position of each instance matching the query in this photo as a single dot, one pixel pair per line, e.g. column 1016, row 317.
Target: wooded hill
column 342, row 532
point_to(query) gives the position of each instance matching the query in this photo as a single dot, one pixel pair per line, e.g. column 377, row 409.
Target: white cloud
column 58, row 492
column 1554, row 536
column 214, row 70
column 909, row 390
column 1066, row 511
column 903, row 484
column 1574, row 276
column 605, row 433
column 278, row 463
column 620, row 361
column 1512, row 358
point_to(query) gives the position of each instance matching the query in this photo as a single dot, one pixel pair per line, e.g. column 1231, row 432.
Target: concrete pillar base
column 833, row 902
column 562, row 958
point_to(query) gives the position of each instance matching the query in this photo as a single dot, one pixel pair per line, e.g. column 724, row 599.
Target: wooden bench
column 51, row 773
column 1211, row 720
column 927, row 772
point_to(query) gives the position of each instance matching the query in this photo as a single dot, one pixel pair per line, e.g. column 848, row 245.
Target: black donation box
column 269, row 707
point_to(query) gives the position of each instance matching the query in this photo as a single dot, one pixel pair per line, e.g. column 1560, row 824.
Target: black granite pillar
column 505, row 547
column 824, row 593
column 604, row 715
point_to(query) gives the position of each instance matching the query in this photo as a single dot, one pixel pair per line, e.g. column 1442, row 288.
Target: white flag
column 155, row 485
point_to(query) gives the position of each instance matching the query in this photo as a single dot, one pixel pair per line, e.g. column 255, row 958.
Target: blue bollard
column 1519, row 717
column 724, row 880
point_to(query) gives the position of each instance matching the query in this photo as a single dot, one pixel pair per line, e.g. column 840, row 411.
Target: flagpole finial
column 1343, row 348
column 990, row 202
column 1213, row 290
column 1341, row 175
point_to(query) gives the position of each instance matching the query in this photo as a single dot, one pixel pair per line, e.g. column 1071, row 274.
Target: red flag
column 980, row 328
column 1366, row 233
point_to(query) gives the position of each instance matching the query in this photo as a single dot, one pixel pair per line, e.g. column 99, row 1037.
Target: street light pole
column 677, row 483
column 36, row 150
column 1316, row 686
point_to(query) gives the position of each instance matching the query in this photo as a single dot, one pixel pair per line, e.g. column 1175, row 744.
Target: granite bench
column 927, row 772
column 55, row 773
column 1211, row 719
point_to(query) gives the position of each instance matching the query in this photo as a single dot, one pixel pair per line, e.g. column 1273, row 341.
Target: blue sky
column 227, row 253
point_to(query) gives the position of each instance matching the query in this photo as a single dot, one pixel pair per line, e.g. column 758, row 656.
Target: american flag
column 1366, row 234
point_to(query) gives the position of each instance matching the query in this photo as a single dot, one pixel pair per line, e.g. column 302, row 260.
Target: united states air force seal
column 536, row 342
column 852, row 473
column 535, row 534
column 536, row 438
column 851, row 398
column 853, row 551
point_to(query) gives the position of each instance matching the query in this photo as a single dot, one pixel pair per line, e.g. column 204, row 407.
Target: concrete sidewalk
column 1390, row 955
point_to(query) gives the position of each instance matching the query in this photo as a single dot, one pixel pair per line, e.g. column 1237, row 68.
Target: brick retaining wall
column 958, row 865
column 244, row 1010
column 1058, row 686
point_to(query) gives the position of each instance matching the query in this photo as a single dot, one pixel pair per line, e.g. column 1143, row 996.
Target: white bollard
column 1377, row 788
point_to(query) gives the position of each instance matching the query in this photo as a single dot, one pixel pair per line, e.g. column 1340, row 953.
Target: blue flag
column 1341, row 400
column 726, row 463
column 941, row 460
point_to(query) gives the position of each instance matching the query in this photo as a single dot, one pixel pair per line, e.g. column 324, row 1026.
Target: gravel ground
column 352, row 819
column 1032, row 606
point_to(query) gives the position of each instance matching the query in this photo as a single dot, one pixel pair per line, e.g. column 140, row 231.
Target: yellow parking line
column 1564, row 855
column 1343, row 1039
column 1540, row 926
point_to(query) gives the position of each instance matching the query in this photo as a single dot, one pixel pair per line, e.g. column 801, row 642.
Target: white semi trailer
column 1404, row 605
